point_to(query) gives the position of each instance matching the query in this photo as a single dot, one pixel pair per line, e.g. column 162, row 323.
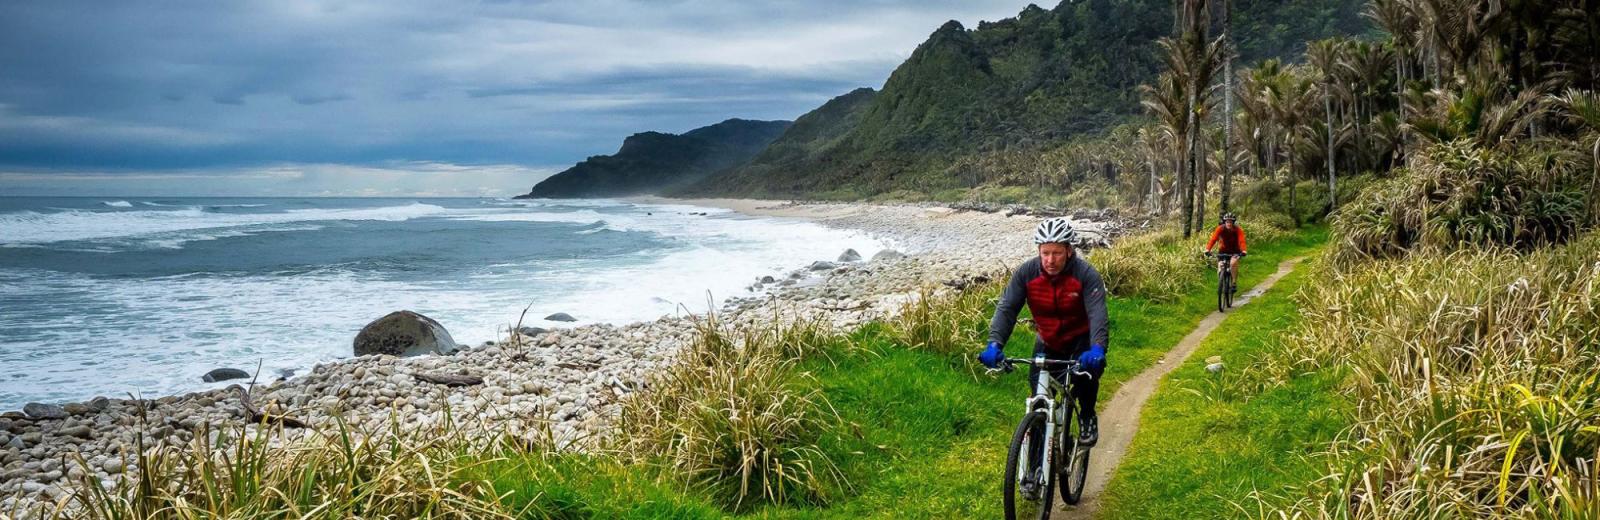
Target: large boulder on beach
column 404, row 333
column 560, row 316
column 224, row 374
column 44, row 411
column 849, row 255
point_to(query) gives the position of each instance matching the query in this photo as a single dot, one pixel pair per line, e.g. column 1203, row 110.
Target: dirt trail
column 1119, row 417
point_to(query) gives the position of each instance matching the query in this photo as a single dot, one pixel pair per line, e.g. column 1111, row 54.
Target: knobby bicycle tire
column 1223, row 297
column 1032, row 424
column 1074, row 472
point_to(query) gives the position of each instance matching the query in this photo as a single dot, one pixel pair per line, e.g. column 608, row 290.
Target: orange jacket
column 1232, row 243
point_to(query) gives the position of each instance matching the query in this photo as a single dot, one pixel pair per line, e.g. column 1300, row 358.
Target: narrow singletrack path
column 1119, row 417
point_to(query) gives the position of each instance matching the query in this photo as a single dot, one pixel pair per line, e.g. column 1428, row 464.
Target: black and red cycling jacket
column 1065, row 307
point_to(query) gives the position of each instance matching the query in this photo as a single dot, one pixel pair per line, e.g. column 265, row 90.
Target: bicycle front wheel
column 1233, row 281
column 1028, row 487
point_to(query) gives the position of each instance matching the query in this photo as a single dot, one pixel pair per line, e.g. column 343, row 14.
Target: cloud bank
column 476, row 92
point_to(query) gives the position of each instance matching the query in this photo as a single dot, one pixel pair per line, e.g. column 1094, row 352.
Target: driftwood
column 258, row 416
column 449, row 379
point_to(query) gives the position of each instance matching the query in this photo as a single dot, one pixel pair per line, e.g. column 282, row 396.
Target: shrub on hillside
column 1459, row 194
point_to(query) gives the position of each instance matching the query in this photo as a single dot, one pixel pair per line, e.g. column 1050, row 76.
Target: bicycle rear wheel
column 1021, row 470
column 1075, row 473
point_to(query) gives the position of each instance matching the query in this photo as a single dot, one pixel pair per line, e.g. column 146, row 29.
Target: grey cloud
column 311, row 99
column 196, row 84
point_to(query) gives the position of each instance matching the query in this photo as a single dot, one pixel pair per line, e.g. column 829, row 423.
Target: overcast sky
column 397, row 97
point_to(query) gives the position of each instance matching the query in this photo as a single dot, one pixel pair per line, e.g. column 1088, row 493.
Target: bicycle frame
column 1225, row 262
column 1041, row 400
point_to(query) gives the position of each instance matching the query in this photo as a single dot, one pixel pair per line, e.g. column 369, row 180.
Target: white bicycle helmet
column 1054, row 231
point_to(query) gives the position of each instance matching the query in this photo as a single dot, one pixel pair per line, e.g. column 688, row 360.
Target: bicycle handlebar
column 1071, row 365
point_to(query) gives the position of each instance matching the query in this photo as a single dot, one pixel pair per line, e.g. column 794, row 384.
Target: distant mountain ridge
column 649, row 162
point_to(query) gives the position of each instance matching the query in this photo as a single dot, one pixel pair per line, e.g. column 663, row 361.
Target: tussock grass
column 1158, row 266
column 735, row 417
column 268, row 472
column 944, row 324
column 1476, row 383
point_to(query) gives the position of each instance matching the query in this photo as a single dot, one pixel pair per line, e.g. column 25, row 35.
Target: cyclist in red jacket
column 1232, row 237
column 1068, row 302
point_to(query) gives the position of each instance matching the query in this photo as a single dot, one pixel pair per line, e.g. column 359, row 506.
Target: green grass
column 571, row 485
column 1207, row 441
column 923, row 432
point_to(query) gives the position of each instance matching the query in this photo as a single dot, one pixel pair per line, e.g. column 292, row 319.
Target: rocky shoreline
column 570, row 380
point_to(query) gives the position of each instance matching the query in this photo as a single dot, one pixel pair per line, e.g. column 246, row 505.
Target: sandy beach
column 570, row 379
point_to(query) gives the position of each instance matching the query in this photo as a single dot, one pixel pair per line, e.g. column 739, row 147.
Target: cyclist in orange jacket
column 1232, row 237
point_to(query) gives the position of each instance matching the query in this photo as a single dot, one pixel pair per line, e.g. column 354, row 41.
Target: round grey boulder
column 560, row 316
column 404, row 334
column 821, row 265
column 224, row 374
column 44, row 411
column 850, row 255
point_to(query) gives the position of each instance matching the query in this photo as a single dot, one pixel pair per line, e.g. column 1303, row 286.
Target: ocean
column 142, row 296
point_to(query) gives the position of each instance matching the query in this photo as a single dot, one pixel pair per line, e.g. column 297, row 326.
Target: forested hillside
column 1027, row 84
column 653, row 161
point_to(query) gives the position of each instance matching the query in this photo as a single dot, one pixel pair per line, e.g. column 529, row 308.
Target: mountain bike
column 1047, row 428
column 1226, row 282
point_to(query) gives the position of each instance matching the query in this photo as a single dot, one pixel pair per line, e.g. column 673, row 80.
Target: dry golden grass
column 1476, row 380
column 734, row 416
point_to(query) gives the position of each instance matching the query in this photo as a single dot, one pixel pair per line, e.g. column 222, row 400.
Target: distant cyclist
column 1232, row 237
column 1068, row 303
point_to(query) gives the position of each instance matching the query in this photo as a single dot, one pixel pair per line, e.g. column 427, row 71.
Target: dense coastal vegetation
column 1445, row 339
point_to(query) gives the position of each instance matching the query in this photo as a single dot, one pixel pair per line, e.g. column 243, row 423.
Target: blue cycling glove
column 992, row 356
column 1093, row 359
